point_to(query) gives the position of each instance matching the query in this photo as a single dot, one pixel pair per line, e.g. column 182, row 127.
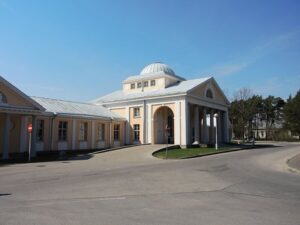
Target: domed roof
column 156, row 68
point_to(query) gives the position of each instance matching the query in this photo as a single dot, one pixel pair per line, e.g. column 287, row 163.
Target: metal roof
column 180, row 88
column 61, row 107
column 157, row 67
column 154, row 70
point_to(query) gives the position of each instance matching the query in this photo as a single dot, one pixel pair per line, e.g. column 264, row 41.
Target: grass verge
column 190, row 152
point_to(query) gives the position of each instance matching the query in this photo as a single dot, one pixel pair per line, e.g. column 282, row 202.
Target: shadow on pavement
column 65, row 157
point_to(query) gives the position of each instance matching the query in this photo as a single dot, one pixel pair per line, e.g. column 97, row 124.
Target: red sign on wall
column 29, row 128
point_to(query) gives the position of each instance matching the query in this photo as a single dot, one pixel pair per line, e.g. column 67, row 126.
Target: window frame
column 116, row 132
column 3, row 98
column 40, row 125
column 139, row 85
column 136, row 112
column 209, row 93
column 132, row 86
column 153, row 83
column 136, row 132
column 146, row 83
column 101, row 132
column 83, row 131
column 62, row 130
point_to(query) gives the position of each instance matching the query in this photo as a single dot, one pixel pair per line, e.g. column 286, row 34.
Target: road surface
column 130, row 187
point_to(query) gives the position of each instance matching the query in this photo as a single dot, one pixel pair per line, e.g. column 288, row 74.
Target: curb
column 290, row 168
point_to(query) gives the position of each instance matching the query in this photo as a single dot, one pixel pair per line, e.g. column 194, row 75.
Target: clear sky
column 82, row 49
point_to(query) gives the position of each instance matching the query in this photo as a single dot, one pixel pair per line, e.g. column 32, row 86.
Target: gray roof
column 180, row 88
column 61, row 107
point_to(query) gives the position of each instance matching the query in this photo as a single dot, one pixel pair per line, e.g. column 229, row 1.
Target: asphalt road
column 129, row 187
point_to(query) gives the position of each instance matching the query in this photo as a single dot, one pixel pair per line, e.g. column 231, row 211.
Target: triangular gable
column 211, row 84
column 12, row 96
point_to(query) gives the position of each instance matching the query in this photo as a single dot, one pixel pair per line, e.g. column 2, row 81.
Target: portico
column 203, row 124
column 167, row 100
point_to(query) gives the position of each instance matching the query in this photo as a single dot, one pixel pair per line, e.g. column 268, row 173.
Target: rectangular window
column 136, row 112
column 101, row 132
column 152, row 82
column 40, row 130
column 62, row 130
column 116, row 132
column 146, row 83
column 132, row 86
column 136, row 130
column 83, row 128
column 139, row 84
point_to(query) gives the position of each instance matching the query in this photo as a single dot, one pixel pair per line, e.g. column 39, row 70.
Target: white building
column 158, row 98
column 153, row 107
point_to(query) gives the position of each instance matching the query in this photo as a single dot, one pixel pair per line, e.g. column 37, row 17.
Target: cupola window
column 132, row 86
column 139, row 84
column 152, row 82
column 146, row 83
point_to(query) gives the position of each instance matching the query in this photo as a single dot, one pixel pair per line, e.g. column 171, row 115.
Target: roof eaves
column 143, row 98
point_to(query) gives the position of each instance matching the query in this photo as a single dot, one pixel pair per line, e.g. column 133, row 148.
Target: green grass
column 190, row 152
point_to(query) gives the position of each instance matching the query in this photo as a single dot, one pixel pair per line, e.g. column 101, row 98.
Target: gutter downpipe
column 145, row 122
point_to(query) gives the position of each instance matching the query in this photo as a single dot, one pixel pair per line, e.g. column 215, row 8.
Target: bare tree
column 243, row 94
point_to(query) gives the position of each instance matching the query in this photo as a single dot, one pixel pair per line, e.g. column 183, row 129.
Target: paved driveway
column 128, row 186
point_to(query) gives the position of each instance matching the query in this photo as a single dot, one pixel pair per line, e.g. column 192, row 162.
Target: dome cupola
column 157, row 68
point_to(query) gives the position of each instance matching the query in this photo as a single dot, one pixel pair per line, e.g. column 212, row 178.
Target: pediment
column 10, row 96
column 210, row 91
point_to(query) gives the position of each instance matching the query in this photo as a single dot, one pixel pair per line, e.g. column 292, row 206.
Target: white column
column 6, row 137
column 177, row 128
column 211, row 128
column 204, row 127
column 110, row 135
column 185, row 128
column 220, row 127
column 196, row 123
column 23, row 134
column 144, row 122
column 225, row 127
column 150, row 121
column 93, row 134
column 50, row 134
column 33, row 137
column 74, row 134
column 127, row 113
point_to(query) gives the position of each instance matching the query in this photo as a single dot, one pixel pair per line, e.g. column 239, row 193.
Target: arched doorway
column 163, row 118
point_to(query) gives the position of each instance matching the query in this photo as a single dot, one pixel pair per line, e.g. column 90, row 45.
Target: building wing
column 79, row 109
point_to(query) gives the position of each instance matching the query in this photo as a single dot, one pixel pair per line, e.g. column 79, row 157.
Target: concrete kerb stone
column 291, row 168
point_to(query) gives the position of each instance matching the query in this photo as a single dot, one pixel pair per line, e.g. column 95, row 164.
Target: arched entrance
column 163, row 118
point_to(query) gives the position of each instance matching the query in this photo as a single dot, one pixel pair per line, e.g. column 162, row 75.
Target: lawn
column 190, row 152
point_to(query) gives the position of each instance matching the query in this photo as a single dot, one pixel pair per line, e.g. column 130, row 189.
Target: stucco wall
column 120, row 111
column 13, row 98
column 136, row 120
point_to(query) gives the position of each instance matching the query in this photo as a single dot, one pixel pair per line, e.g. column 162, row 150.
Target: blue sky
column 80, row 50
